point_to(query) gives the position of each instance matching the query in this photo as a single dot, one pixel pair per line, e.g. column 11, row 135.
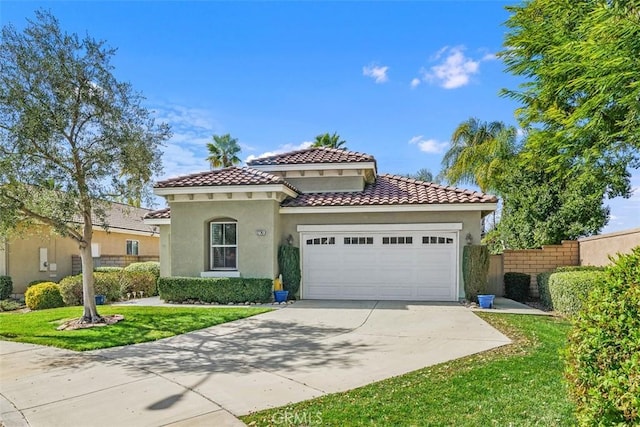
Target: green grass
column 520, row 385
column 140, row 324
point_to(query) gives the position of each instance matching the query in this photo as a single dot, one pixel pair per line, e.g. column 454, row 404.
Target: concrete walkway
column 208, row 377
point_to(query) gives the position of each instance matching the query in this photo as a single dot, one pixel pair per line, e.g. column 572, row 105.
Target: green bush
column 603, row 356
column 6, row 287
column 568, row 289
column 44, row 295
column 542, row 281
column 516, row 286
column 108, row 269
column 579, row 268
column 220, row 290
column 475, row 271
column 37, row 282
column 107, row 284
column 152, row 267
column 137, row 281
column 289, row 265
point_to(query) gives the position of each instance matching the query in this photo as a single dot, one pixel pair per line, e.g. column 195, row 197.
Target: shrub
column 603, row 356
column 580, row 268
column 542, row 281
column 137, row 281
column 6, row 287
column 108, row 269
column 220, row 290
column 37, row 282
column 107, row 284
column 10, row 305
column 44, row 295
column 152, row 267
column 516, row 286
column 289, row 265
column 568, row 289
column 475, row 269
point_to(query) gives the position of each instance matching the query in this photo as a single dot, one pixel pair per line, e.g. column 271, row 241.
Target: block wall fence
column 111, row 261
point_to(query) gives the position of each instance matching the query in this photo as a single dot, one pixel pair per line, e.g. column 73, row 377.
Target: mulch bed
column 73, row 324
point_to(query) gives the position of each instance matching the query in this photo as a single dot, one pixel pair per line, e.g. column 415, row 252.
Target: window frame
column 212, row 246
column 130, row 244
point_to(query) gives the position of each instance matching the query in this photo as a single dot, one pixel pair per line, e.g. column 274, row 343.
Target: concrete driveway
column 297, row 353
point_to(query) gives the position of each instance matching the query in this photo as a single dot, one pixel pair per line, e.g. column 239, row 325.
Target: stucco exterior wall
column 189, row 243
column 471, row 223
column 165, row 250
column 328, row 184
column 595, row 250
column 23, row 254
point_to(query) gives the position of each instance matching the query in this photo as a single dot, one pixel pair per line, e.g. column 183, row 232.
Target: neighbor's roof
column 123, row 217
column 226, row 176
column 313, row 155
column 392, row 190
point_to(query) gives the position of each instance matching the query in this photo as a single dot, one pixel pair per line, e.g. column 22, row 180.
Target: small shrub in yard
column 108, row 269
column 44, row 295
column 568, row 289
column 10, row 305
column 603, row 356
column 220, row 290
column 37, row 282
column 289, row 265
column 152, row 267
column 475, row 271
column 138, row 281
column 107, row 284
column 516, row 286
column 542, row 280
column 6, row 287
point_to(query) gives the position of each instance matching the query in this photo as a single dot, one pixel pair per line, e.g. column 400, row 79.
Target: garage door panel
column 403, row 268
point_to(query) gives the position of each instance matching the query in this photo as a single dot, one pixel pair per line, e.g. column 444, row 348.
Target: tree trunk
column 89, row 300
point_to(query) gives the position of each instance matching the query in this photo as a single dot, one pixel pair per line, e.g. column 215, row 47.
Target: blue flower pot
column 280, row 296
column 486, row 301
column 100, row 299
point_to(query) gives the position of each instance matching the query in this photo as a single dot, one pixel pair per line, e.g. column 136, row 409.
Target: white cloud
column 281, row 149
column 431, row 146
column 489, row 57
column 376, row 72
column 415, row 83
column 454, row 71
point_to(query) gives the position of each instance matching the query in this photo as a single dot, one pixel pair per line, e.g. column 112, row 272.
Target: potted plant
column 279, row 295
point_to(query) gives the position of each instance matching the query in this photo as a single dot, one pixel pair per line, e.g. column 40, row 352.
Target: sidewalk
column 504, row 305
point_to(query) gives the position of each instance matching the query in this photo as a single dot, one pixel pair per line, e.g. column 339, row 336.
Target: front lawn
column 520, row 384
column 140, row 324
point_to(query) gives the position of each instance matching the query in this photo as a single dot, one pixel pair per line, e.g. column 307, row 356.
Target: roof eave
column 316, row 166
column 282, row 188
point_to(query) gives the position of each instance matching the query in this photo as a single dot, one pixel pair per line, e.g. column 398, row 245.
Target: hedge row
column 580, row 283
column 219, row 290
column 114, row 286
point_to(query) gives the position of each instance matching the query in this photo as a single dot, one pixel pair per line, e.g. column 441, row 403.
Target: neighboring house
column 362, row 235
column 40, row 254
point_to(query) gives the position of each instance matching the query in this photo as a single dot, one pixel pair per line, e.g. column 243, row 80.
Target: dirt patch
column 73, row 324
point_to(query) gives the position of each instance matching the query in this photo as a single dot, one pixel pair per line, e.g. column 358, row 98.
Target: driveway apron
column 303, row 351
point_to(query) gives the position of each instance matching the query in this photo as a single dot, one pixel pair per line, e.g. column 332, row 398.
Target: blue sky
column 394, row 79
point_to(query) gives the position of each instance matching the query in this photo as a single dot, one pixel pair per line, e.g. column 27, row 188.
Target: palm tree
column 479, row 154
column 330, row 141
column 223, row 151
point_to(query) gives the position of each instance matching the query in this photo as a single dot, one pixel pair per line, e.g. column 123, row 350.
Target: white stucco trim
column 273, row 188
column 487, row 207
column 220, row 274
column 315, row 166
column 337, row 228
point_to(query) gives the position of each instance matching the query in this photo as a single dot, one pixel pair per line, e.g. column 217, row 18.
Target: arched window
column 223, row 254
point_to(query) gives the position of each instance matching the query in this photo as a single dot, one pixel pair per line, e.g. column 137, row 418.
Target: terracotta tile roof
column 392, row 190
column 313, row 155
column 159, row 214
column 226, row 176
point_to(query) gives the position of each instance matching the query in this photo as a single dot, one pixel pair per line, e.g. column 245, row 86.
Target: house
column 40, row 254
column 361, row 235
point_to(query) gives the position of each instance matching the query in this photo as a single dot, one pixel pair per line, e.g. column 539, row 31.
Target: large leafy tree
column 539, row 209
column 479, row 154
column 330, row 141
column 581, row 95
column 223, row 151
column 71, row 136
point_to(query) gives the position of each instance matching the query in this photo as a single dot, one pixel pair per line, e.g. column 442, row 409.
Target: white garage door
column 379, row 265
